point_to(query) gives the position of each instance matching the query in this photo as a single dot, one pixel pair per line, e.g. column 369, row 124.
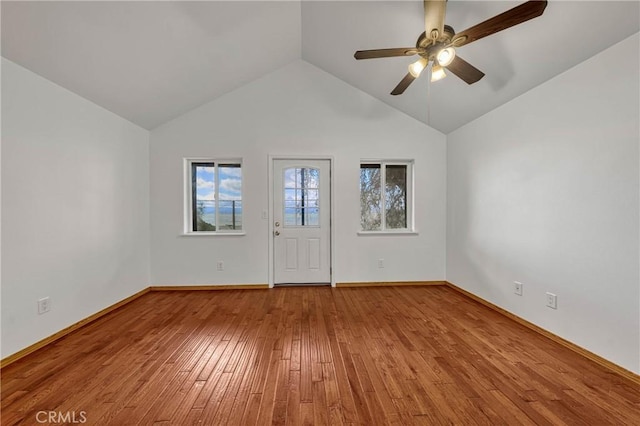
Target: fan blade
column 404, row 83
column 385, row 53
column 434, row 11
column 465, row 70
column 517, row 15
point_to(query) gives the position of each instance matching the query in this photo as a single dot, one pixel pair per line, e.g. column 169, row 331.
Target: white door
column 301, row 228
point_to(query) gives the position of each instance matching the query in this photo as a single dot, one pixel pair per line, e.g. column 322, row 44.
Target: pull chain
column 429, row 70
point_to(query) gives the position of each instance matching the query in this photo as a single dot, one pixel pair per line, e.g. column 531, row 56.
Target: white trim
column 332, row 229
column 271, row 158
column 187, row 230
column 388, row 233
column 213, row 234
column 269, row 182
column 410, row 164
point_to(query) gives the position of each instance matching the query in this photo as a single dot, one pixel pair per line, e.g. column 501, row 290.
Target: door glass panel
column 312, row 217
column 290, row 178
column 312, row 194
column 289, row 195
column 301, row 197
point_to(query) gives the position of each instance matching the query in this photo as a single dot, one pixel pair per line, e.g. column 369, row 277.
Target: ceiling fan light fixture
column 437, row 73
column 416, row 68
column 446, row 56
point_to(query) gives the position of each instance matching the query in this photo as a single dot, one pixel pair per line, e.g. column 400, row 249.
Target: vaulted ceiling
column 152, row 61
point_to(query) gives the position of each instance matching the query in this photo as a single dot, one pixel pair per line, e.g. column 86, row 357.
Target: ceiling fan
column 439, row 42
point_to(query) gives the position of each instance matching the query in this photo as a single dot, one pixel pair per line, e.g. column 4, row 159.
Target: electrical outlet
column 552, row 300
column 380, row 263
column 220, row 265
column 44, row 305
column 517, row 288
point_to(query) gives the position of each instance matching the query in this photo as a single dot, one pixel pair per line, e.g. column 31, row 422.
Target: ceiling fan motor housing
column 424, row 41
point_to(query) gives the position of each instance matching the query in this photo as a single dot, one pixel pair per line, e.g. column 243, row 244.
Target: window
column 385, row 196
column 214, row 196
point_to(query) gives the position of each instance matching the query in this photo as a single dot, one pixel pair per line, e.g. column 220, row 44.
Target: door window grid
column 301, row 197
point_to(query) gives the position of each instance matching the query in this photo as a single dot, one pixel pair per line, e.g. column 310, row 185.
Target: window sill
column 387, row 233
column 213, row 234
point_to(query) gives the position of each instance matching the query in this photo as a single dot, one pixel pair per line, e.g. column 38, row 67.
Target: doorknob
column 276, row 233
column 277, row 224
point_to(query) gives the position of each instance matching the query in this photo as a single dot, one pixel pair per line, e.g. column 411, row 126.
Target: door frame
column 271, row 228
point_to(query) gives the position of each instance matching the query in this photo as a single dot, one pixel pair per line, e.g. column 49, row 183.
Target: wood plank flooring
column 313, row 356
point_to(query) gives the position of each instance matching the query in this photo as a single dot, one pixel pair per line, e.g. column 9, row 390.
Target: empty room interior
column 320, row 212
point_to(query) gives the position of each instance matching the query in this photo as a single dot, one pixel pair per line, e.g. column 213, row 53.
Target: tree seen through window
column 388, row 209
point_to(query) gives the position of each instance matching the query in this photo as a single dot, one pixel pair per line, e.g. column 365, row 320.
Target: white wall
column 0, row 211
column 297, row 110
column 75, row 215
column 545, row 190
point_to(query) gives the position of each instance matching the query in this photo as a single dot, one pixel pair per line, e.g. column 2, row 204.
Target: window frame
column 410, row 212
column 189, row 195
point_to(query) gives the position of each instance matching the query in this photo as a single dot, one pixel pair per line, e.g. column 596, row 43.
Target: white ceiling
column 514, row 60
column 152, row 61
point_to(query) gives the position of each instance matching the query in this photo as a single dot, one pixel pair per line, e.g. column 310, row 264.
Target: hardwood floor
column 314, row 356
